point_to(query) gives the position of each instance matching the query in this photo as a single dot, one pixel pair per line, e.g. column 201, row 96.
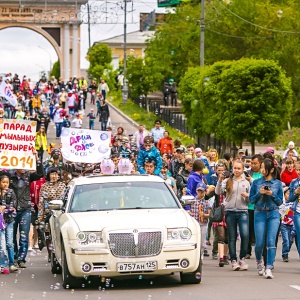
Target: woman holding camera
column 267, row 195
column 236, row 189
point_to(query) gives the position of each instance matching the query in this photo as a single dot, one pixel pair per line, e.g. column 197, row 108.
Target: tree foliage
column 100, row 58
column 261, row 29
column 239, row 100
column 140, row 77
column 55, row 70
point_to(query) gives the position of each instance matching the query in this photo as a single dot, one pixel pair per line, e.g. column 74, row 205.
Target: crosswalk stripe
column 297, row 287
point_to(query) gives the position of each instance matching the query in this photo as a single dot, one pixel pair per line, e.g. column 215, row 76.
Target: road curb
column 123, row 115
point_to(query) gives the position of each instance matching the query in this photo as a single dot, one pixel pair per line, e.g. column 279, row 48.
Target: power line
column 261, row 27
column 237, row 36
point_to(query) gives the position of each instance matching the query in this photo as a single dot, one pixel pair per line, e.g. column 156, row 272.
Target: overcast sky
column 26, row 52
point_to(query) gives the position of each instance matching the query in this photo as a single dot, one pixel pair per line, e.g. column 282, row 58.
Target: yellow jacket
column 36, row 102
column 40, row 142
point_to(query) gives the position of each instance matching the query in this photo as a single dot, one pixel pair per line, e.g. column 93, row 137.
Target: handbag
column 109, row 124
column 41, row 238
column 216, row 213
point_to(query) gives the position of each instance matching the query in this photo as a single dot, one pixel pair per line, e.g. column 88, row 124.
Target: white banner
column 17, row 140
column 84, row 145
column 7, row 93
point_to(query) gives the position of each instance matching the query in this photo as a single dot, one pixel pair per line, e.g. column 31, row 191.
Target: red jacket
column 287, row 176
column 35, row 187
column 165, row 145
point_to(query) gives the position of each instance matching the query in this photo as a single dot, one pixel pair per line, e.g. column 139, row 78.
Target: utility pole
column 202, row 29
column 125, row 85
column 89, row 24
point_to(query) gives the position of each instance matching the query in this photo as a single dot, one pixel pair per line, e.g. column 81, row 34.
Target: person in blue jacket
column 266, row 194
column 149, row 153
column 196, row 177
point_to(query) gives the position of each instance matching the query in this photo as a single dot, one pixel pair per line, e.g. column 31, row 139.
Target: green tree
column 239, row 100
column 262, row 29
column 100, row 58
column 141, row 78
column 55, row 70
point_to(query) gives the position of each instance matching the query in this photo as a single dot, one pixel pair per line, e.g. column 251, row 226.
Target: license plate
column 137, row 266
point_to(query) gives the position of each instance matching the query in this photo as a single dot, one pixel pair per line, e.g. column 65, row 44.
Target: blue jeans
column 234, row 219
column 58, row 129
column 8, row 113
column 266, row 223
column 286, row 238
column 91, row 125
column 3, row 252
column 103, row 125
column 71, row 112
column 297, row 227
column 9, row 238
column 22, row 221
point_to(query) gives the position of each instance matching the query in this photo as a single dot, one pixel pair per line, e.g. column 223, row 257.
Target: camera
column 266, row 188
column 226, row 174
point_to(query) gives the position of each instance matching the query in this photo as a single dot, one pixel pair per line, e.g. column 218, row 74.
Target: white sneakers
column 268, row 274
column 260, row 267
column 243, row 265
column 235, row 266
column 262, row 271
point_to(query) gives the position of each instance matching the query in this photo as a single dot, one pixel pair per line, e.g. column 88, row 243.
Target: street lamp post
column 125, row 81
column 49, row 57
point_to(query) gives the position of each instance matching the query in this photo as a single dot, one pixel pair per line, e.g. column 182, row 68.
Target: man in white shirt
column 103, row 88
column 157, row 132
column 140, row 135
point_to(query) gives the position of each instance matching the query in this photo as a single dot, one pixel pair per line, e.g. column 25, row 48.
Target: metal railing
column 176, row 120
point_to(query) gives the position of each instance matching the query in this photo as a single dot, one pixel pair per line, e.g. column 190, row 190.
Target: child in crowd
column 92, row 118
column 3, row 252
column 115, row 160
column 149, row 153
column 200, row 210
column 77, row 121
column 7, row 209
column 196, row 177
column 66, row 122
column 287, row 224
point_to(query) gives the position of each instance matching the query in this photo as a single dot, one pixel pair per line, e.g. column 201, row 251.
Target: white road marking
column 297, row 287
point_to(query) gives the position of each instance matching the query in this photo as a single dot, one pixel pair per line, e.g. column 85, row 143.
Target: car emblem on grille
column 135, row 231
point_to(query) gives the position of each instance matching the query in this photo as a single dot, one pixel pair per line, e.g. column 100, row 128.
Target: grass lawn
column 140, row 116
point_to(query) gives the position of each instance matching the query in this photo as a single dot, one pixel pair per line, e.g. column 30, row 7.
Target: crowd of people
column 259, row 195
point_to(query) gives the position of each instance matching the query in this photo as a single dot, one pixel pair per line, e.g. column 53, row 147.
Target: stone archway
column 57, row 21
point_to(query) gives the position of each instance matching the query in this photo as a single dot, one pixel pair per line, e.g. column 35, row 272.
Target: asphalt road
column 37, row 282
column 116, row 118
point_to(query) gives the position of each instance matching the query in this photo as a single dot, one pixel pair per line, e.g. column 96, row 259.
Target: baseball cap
column 92, row 109
column 56, row 105
column 55, row 151
column 180, row 149
column 198, row 150
column 270, row 149
column 201, row 186
column 241, row 151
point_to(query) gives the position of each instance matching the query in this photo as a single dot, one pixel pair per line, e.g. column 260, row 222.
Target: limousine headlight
column 183, row 234
column 89, row 237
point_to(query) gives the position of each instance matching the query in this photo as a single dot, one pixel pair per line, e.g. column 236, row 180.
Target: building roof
column 136, row 37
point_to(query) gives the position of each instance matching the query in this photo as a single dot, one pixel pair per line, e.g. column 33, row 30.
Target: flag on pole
column 7, row 93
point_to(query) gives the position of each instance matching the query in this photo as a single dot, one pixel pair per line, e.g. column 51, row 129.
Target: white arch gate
column 56, row 20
